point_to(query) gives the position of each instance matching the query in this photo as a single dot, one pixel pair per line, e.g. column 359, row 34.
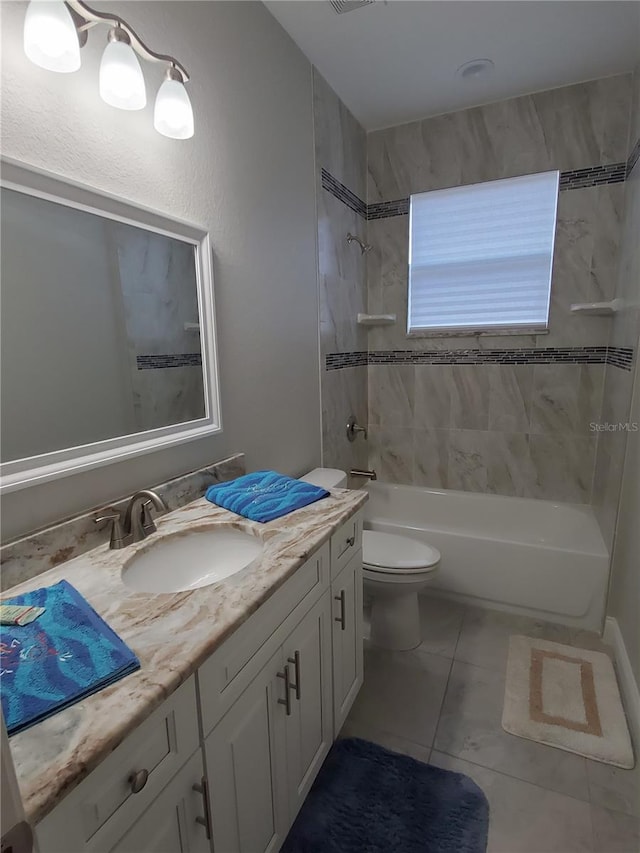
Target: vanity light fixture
column 173, row 114
column 50, row 36
column 54, row 32
column 121, row 79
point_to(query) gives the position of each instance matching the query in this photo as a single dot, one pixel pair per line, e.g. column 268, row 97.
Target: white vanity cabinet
column 230, row 757
column 272, row 741
column 96, row 814
column 176, row 821
column 347, row 640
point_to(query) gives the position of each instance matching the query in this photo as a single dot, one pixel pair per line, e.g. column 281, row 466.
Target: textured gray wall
column 247, row 176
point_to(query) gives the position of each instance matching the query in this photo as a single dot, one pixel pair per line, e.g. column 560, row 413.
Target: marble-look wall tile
column 555, row 399
column 340, row 146
column 468, row 460
column 340, row 140
column 568, row 128
column 606, row 241
column 625, row 331
column 510, row 390
column 344, row 393
column 563, row 464
column 391, row 394
column 431, row 458
column 433, row 385
column 470, row 396
column 514, row 430
column 509, row 467
column 391, row 453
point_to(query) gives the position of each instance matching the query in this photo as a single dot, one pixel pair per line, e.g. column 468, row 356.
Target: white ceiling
column 395, row 61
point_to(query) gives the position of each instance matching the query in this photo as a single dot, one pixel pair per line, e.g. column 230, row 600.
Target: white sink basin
column 191, row 559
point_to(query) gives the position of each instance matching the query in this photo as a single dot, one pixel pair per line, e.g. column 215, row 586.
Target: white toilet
column 395, row 570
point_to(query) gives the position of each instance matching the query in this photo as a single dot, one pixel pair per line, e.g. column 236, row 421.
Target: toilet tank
column 326, row 478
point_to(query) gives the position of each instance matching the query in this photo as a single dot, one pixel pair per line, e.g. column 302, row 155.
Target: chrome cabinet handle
column 137, row 780
column 342, row 617
column 287, row 688
column 295, row 660
column 203, row 789
column 351, row 541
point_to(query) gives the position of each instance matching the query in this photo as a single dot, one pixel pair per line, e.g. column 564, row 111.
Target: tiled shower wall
column 522, row 427
column 340, row 148
column 625, row 330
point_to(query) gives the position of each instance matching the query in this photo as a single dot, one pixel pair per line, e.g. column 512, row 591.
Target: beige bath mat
column 566, row 697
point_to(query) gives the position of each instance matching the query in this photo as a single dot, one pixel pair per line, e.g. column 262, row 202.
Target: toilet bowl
column 395, row 569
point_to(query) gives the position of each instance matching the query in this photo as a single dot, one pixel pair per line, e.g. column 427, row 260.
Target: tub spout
column 356, row 472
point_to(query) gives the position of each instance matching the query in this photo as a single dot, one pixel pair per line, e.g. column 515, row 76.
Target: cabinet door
column 246, row 761
column 346, row 592
column 170, row 825
column 309, row 726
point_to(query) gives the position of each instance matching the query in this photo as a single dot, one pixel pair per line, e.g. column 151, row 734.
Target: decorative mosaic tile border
column 160, row 362
column 616, row 356
column 594, row 176
column 384, row 209
column 343, row 194
column 338, row 360
column 572, row 179
column 544, row 355
column 620, row 357
column 633, row 157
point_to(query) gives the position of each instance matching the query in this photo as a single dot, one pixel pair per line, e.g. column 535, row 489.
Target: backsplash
column 30, row 556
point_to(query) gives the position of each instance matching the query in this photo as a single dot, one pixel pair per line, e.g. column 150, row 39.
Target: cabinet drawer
column 345, row 542
column 104, row 805
column 223, row 677
column 172, row 821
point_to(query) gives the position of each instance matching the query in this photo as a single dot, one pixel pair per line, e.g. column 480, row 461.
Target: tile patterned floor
column 442, row 703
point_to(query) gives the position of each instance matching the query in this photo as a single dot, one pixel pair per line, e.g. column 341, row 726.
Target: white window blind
column 480, row 256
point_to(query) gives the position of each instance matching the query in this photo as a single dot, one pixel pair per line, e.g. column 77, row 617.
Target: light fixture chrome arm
column 85, row 17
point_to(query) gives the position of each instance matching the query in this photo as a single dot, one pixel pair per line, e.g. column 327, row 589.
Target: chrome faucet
column 136, row 523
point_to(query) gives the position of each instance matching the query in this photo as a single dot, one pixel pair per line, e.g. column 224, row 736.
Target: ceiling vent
column 342, row 6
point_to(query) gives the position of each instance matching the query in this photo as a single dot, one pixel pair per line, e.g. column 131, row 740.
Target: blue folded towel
column 67, row 654
column 264, row 495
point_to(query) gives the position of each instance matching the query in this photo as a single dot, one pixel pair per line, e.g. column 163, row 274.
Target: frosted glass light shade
column 121, row 78
column 173, row 114
column 50, row 37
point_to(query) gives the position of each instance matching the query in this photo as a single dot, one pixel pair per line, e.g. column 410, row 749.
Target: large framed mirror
column 107, row 329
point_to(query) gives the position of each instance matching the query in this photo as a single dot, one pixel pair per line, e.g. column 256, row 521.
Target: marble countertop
column 55, row 755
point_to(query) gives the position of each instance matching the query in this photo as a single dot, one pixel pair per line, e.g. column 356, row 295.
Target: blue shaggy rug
column 369, row 800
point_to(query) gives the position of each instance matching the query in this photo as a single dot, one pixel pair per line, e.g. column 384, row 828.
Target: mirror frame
column 22, row 473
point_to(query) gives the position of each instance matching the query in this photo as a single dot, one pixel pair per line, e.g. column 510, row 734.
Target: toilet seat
column 390, row 554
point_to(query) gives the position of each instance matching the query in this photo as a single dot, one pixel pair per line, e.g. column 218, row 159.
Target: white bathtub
column 534, row 557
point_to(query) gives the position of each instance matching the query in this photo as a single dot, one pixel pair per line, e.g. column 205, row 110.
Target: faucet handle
column 353, row 429
column 118, row 537
column 146, row 519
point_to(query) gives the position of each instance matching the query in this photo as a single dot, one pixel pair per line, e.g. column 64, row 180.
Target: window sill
column 482, row 333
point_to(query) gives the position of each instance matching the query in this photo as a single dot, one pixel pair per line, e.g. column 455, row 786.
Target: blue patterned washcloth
column 264, row 495
column 68, row 653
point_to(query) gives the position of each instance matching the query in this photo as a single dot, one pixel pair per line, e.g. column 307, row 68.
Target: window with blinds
column 480, row 256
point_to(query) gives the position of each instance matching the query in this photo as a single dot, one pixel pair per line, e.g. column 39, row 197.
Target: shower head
column 364, row 247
